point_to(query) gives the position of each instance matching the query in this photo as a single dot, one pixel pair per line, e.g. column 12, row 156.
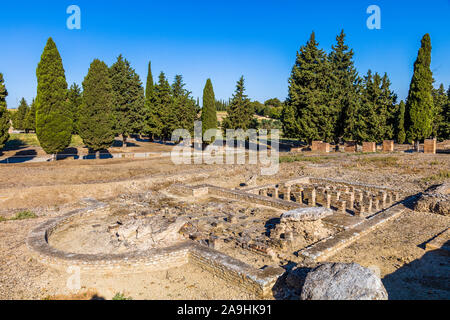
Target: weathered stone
column 341, row 281
column 306, row 214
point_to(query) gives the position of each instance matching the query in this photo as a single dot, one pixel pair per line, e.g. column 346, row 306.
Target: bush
column 121, row 296
column 24, row 215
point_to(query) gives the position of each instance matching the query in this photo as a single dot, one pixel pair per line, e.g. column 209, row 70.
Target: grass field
column 24, row 140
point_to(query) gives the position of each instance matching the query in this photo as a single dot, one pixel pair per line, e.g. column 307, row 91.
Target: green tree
column 308, row 95
column 239, row 112
column 75, row 97
column 30, row 118
column 4, row 114
column 19, row 117
column 96, row 120
column 209, row 115
column 53, row 120
column 160, row 106
column 128, row 100
column 274, row 102
column 149, row 88
column 289, row 122
column 401, row 134
column 419, row 104
column 444, row 129
column 440, row 101
column 184, row 108
column 343, row 89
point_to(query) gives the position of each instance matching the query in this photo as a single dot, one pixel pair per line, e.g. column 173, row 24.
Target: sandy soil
column 50, row 189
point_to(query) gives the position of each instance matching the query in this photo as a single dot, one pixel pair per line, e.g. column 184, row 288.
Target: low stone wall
column 256, row 281
column 254, row 198
column 324, row 249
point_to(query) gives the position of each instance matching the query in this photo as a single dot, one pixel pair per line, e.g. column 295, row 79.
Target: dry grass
column 439, row 177
column 88, row 295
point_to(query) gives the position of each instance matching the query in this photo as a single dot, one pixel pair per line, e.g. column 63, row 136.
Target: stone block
column 369, row 147
column 315, row 145
column 350, row 146
column 324, row 147
column 429, row 146
column 388, row 146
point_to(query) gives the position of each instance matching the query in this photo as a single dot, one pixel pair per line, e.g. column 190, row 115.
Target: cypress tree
column 289, row 122
column 440, row 100
column 150, row 84
column 184, row 108
column 53, row 120
column 30, row 119
column 95, row 115
column 19, row 117
column 239, row 112
column 444, row 129
column 160, row 107
column 4, row 114
column 128, row 99
column 388, row 105
column 343, row 100
column 401, row 134
column 74, row 96
column 419, row 104
column 209, row 114
column 308, row 94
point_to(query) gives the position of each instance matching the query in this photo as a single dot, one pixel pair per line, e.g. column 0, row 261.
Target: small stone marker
column 369, row 147
column 429, row 146
column 388, row 146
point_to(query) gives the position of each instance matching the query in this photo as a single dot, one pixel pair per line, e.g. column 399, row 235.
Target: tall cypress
column 19, row 116
column 74, row 96
column 343, row 99
column 184, row 107
column 308, row 94
column 53, row 120
column 150, row 84
column 160, row 107
column 444, row 128
column 239, row 112
column 400, row 130
column 128, row 99
column 4, row 114
column 419, row 104
column 209, row 114
column 30, row 118
column 96, row 120
column 440, row 100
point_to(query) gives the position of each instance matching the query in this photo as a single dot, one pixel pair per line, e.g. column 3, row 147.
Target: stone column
column 287, row 194
column 275, row 193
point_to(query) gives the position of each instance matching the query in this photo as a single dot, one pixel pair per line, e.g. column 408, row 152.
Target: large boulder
column 342, row 281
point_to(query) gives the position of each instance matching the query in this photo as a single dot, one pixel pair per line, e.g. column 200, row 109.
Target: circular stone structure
column 155, row 258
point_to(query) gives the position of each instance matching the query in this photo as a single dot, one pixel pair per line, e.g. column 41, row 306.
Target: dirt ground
column 51, row 189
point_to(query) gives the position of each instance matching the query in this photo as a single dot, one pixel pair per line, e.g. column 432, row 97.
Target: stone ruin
column 436, row 199
column 313, row 219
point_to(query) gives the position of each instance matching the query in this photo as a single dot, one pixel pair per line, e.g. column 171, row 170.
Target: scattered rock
column 342, row 281
column 306, row 214
column 436, row 200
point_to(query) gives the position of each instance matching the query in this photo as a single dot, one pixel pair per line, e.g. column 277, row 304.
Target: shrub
column 121, row 296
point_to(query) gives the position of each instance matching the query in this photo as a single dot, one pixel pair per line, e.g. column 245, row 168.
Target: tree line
column 329, row 101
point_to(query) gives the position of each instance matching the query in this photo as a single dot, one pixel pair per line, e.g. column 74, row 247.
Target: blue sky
column 220, row 39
